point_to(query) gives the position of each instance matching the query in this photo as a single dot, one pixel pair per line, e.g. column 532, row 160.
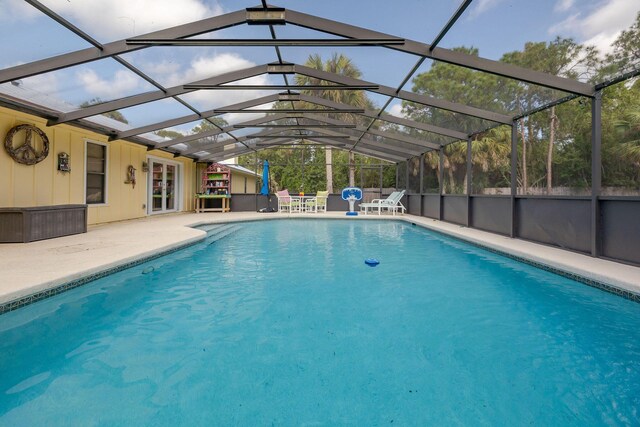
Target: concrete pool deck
column 30, row 268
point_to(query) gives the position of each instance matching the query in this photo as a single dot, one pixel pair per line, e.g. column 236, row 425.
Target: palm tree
column 491, row 152
column 455, row 157
column 629, row 131
column 343, row 66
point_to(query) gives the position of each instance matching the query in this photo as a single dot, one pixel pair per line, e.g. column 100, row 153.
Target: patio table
column 302, row 203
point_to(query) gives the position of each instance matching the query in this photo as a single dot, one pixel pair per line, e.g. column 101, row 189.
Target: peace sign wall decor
column 27, row 150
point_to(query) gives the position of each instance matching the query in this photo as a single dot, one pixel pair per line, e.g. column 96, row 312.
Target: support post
column 302, row 169
column 469, row 181
column 596, row 172
column 441, row 179
column 381, row 181
column 397, row 176
column 421, row 183
column 406, row 173
column 255, row 157
column 514, row 177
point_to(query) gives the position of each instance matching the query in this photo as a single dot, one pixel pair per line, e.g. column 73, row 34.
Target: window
column 96, row 173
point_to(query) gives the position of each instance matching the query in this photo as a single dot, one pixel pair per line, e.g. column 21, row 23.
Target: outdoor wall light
column 64, row 162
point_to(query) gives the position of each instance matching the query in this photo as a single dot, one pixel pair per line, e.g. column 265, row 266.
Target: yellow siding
column 237, row 183
column 42, row 184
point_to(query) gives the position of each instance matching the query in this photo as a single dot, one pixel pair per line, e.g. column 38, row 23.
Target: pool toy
column 351, row 194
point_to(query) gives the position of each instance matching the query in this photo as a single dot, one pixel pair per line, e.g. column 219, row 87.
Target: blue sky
column 493, row 26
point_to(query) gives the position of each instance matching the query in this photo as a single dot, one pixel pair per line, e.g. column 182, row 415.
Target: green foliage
column 115, row 115
column 621, row 136
column 171, row 134
column 554, row 145
column 211, row 123
column 626, row 52
column 302, row 168
column 306, row 166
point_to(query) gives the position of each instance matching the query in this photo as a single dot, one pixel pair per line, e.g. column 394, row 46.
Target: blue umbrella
column 265, row 179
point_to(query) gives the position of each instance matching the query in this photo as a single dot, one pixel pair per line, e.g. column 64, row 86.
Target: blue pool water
column 282, row 323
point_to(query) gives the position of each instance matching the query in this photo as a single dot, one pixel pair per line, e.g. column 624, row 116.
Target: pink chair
column 287, row 203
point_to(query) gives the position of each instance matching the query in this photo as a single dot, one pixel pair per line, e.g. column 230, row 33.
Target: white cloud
column 600, row 26
column 162, row 67
column 122, row 84
column 396, row 110
column 45, row 83
column 17, row 8
column 205, row 67
column 482, row 6
column 234, row 118
column 563, row 5
column 210, row 66
column 117, row 19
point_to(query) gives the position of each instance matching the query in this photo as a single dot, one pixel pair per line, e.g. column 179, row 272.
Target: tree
column 341, row 65
column 621, row 135
column 464, row 86
column 212, row 123
column 490, row 155
column 626, row 52
column 561, row 57
column 461, row 85
column 171, row 134
column 115, row 115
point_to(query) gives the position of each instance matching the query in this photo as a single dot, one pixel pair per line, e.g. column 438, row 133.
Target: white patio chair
column 391, row 204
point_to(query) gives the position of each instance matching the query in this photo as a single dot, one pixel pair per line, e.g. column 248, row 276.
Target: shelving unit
column 156, row 183
column 216, row 184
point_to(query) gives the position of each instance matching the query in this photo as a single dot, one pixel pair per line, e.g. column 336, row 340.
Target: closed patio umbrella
column 265, row 179
column 265, row 187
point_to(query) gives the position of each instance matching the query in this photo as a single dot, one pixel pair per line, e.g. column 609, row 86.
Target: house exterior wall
column 238, row 183
column 42, row 184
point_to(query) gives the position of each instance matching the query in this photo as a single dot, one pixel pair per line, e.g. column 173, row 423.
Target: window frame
column 106, row 172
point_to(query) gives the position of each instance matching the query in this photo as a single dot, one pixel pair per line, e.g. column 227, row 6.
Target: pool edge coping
column 58, row 286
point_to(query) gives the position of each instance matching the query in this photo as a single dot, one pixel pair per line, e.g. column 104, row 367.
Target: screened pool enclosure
column 541, row 142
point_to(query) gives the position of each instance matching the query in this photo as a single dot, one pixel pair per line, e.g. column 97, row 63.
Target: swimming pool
column 281, row 322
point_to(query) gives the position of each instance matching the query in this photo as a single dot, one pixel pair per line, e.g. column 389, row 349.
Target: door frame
column 179, row 185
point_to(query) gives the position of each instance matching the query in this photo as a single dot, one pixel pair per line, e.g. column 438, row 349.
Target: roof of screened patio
column 302, row 113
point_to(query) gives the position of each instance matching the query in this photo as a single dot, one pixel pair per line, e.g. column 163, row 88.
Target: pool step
column 220, row 231
column 211, row 227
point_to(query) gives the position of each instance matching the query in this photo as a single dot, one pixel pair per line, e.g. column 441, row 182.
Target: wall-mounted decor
column 26, row 149
column 63, row 162
column 131, row 176
column 145, row 167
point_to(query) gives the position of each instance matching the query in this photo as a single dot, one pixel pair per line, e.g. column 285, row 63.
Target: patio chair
column 287, row 203
column 318, row 203
column 391, row 204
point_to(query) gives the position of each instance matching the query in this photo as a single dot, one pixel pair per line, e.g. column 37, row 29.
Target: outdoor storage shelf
column 22, row 225
column 224, row 207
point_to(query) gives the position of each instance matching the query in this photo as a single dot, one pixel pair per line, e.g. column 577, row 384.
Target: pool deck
column 29, row 268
